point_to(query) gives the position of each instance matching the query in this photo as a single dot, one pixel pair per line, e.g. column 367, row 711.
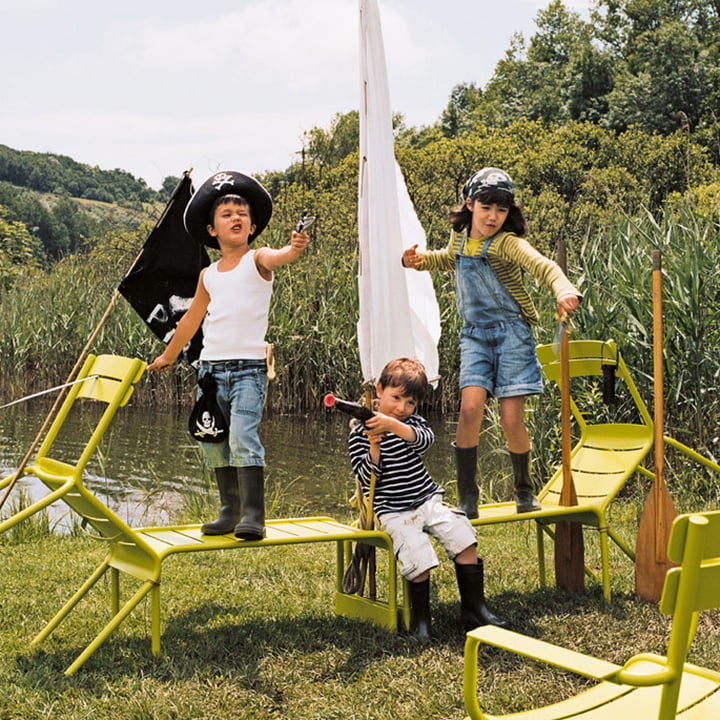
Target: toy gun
column 358, row 411
column 305, row 221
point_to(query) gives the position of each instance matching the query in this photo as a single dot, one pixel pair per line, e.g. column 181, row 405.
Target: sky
column 157, row 87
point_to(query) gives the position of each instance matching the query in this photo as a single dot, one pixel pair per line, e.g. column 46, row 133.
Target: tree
column 638, row 63
column 666, row 62
column 558, row 76
column 457, row 117
column 668, row 72
column 327, row 148
column 169, row 184
column 18, row 250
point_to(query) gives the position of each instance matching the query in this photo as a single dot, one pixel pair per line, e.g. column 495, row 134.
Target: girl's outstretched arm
column 411, row 258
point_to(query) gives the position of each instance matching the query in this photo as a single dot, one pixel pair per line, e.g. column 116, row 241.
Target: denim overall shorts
column 497, row 347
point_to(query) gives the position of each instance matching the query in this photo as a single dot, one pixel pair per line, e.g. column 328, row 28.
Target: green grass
column 254, row 635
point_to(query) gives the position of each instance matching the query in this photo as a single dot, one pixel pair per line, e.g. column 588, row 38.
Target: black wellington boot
column 473, row 609
column 525, row 500
column 252, row 503
column 465, row 467
column 227, row 482
column 420, row 609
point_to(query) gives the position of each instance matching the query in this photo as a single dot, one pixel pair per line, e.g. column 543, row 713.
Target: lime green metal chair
column 647, row 686
column 109, row 382
column 137, row 554
column 603, row 460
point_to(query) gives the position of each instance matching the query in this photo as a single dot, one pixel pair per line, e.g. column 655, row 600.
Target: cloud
column 283, row 45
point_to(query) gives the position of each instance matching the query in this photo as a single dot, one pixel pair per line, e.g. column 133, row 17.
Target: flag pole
column 81, row 359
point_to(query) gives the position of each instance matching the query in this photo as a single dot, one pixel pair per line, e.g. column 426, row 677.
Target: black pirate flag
column 162, row 282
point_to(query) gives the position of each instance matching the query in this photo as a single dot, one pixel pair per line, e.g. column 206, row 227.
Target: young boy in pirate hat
column 232, row 302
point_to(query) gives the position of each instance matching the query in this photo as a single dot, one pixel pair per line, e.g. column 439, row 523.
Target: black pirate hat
column 226, row 182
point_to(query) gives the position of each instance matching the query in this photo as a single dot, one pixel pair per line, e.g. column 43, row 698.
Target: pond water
column 147, row 465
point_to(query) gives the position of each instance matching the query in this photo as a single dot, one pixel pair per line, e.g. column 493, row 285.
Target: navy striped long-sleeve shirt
column 402, row 481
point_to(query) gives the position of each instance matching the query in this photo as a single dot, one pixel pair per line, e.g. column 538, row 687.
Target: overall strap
column 486, row 245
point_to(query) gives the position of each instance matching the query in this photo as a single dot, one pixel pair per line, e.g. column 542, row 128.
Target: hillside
column 61, row 175
column 63, row 203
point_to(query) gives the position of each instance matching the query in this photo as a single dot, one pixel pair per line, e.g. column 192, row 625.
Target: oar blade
column 569, row 556
column 651, row 560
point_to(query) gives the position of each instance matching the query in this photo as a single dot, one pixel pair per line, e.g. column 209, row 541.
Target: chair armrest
column 691, row 453
column 646, row 669
column 5, row 481
column 578, row 663
column 585, row 665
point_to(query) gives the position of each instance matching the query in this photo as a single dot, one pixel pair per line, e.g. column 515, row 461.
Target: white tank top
column 237, row 316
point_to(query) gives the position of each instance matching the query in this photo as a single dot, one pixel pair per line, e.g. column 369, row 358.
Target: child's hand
column 380, row 424
column 411, row 258
column 374, row 438
column 375, row 431
column 567, row 304
column 160, row 364
column 299, row 242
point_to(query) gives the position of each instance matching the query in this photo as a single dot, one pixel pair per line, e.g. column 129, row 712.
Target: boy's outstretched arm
column 185, row 330
column 270, row 259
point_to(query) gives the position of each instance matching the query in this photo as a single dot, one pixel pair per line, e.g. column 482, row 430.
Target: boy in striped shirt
column 408, row 503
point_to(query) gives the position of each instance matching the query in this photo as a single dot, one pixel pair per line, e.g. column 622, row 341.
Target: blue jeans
column 241, row 388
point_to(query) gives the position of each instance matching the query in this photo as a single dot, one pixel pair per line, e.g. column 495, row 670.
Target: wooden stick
column 569, row 544
column 651, row 560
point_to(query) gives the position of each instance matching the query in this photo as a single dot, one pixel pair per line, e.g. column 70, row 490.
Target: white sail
column 399, row 314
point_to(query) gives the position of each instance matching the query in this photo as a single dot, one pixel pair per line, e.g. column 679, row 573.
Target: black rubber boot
column 473, row 609
column 525, row 500
column 465, row 467
column 252, row 503
column 227, row 482
column 420, row 609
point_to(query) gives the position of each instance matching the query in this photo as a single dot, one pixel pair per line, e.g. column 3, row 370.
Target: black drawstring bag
column 207, row 423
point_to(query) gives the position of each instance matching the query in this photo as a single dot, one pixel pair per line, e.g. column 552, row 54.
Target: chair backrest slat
column 705, row 592
column 113, row 388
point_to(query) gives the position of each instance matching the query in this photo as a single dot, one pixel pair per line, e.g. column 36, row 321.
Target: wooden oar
column 569, row 547
column 651, row 560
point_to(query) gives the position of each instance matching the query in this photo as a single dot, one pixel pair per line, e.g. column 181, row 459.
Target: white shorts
column 409, row 531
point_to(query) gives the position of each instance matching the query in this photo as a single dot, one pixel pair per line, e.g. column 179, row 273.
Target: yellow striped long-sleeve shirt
column 508, row 256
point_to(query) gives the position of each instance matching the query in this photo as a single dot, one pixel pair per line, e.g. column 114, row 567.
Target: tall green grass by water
column 46, row 318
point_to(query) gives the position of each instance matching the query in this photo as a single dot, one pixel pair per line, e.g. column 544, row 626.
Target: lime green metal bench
column 138, row 554
column 648, row 685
